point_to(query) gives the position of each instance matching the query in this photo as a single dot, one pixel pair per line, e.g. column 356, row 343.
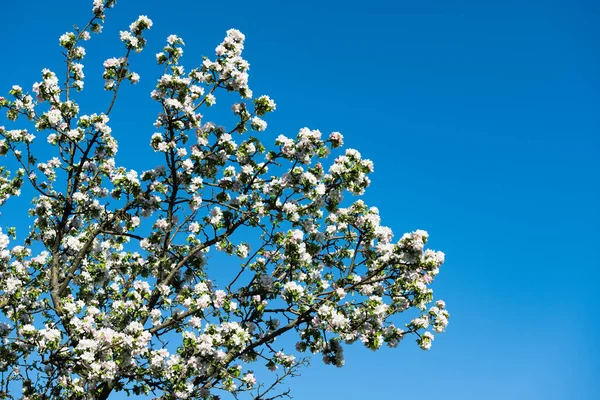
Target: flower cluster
column 48, row 89
column 115, row 70
column 230, row 69
column 133, row 38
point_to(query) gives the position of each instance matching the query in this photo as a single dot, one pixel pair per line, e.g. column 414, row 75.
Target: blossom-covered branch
column 115, row 263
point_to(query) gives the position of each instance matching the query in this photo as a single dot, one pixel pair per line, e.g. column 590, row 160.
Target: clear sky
column 483, row 121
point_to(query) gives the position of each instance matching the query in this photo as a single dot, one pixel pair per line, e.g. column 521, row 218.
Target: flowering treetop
column 109, row 290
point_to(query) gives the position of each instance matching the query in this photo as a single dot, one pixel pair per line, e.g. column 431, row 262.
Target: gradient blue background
column 482, row 119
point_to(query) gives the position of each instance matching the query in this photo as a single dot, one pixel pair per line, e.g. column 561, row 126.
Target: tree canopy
column 109, row 289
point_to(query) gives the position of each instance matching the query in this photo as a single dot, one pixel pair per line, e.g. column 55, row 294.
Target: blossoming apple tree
column 108, row 290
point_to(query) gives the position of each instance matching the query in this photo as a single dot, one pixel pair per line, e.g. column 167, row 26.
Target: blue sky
column 483, row 121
